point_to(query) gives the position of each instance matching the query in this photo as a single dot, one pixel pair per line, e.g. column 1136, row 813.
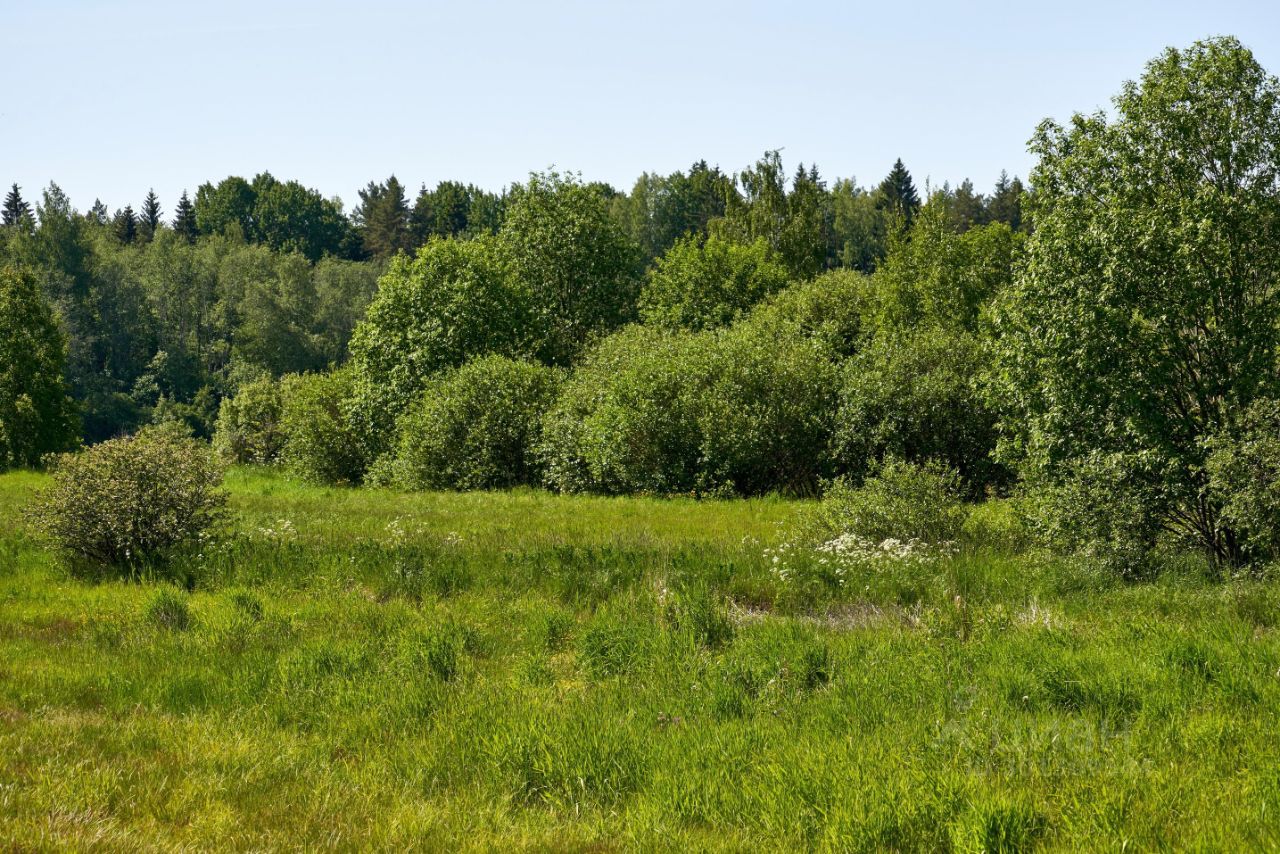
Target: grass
column 364, row 669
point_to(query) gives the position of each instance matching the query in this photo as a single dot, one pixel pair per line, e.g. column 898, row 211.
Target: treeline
column 164, row 318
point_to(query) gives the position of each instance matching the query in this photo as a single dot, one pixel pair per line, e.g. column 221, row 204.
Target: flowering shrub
column 905, row 517
column 130, row 501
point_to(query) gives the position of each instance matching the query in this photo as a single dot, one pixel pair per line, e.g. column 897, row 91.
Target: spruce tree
column 149, row 222
column 184, row 219
column 126, row 225
column 98, row 214
column 383, row 218
column 898, row 194
column 1006, row 202
column 15, row 208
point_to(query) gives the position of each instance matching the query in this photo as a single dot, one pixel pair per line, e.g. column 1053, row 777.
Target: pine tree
column 184, row 219
column 898, row 194
column 383, row 218
column 15, row 208
column 126, row 225
column 149, row 222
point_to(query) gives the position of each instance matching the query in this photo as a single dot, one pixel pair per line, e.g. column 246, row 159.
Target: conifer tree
column 898, row 194
column 15, row 208
column 184, row 219
column 126, row 225
column 149, row 222
column 1006, row 202
column 98, row 214
column 383, row 218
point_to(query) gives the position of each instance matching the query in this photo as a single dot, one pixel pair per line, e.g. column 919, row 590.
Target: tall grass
column 366, row 669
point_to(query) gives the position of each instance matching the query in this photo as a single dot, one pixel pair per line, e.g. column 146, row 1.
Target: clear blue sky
column 110, row 98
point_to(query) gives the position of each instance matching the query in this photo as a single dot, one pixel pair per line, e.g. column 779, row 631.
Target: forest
column 733, row 509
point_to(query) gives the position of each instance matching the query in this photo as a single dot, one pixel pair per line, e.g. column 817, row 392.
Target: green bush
column 453, row 301
column 700, row 284
column 626, row 419
column 320, row 445
column 914, row 396
column 766, row 410
column 169, row 610
column 901, row 501
column 745, row 409
column 1105, row 508
column 474, row 427
column 132, row 501
column 1244, row 479
column 832, row 309
column 249, row 424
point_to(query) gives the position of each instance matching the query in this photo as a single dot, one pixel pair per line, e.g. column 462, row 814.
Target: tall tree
column 15, row 208
column 184, row 219
column 1006, row 202
column 36, row 416
column 382, row 218
column 898, row 194
column 571, row 257
column 1143, row 321
column 98, row 213
column 126, row 225
column 149, row 220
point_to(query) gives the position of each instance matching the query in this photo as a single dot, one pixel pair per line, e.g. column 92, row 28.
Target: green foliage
column 914, row 396
column 936, row 276
column 1106, row 508
column 320, row 444
column 249, row 424
column 572, row 259
column 382, row 218
column 169, row 610
column 1146, row 315
column 901, row 500
column 626, row 419
column 836, row 309
column 743, row 409
column 36, row 416
column 700, row 284
column 130, row 502
column 474, row 427
column 453, row 301
column 1243, row 469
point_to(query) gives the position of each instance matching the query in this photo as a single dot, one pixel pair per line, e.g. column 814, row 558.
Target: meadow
column 360, row 668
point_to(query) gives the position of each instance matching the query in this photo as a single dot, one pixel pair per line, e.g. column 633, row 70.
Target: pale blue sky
column 110, row 98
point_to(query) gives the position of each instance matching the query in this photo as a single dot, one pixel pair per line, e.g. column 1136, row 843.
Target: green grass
column 357, row 669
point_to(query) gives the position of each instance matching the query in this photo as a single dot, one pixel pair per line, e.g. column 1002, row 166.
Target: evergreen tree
column 150, row 219
column 1006, row 202
column 383, row 218
column 15, row 208
column 184, row 219
column 98, row 214
column 126, row 225
column 898, row 194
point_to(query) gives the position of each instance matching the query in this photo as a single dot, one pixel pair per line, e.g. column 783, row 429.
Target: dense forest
column 1101, row 333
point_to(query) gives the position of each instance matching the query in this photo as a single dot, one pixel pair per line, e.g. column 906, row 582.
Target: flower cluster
column 834, row 558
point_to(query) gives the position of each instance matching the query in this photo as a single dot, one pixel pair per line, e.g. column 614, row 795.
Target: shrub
column 766, row 411
column 320, row 444
column 474, row 427
column 126, row 502
column 914, row 396
column 745, row 409
column 626, row 419
column 249, row 424
column 453, row 301
column 1104, row 508
column 699, row 284
column 1244, row 479
column 831, row 309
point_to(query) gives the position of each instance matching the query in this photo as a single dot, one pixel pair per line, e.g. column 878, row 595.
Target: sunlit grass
column 366, row 669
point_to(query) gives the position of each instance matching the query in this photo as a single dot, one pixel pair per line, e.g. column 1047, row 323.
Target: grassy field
column 357, row 669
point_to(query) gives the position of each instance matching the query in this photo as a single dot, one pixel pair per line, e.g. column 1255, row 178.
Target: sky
column 109, row 99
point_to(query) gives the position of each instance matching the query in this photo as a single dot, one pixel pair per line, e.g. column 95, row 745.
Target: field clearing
column 359, row 668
